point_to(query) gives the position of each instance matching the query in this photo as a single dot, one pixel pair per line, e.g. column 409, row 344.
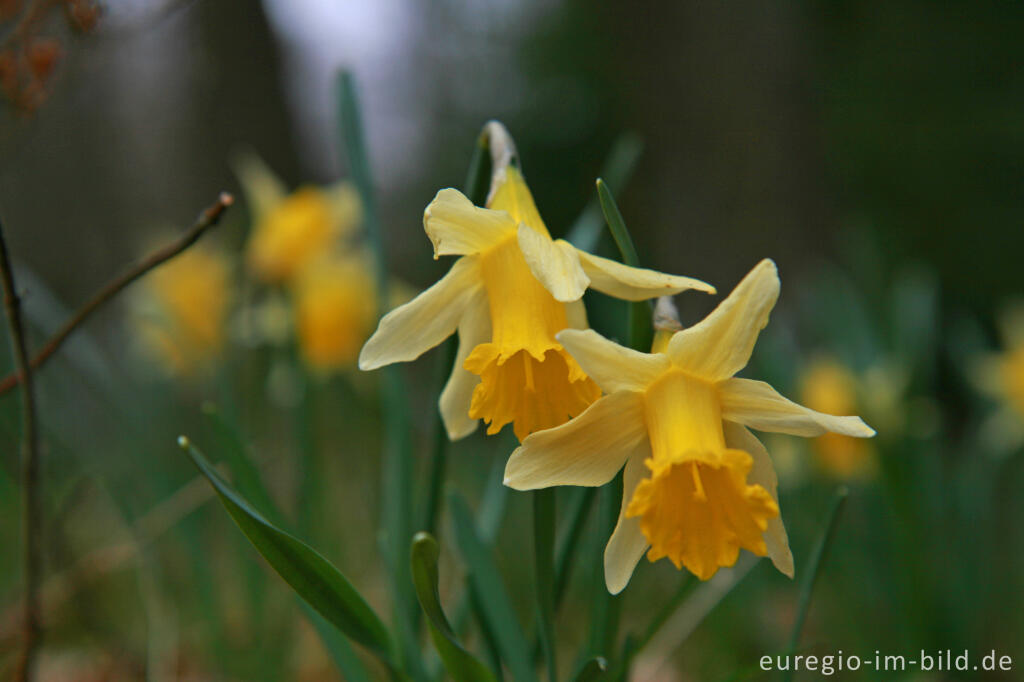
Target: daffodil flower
column 1000, row 375
column 828, row 386
column 335, row 308
column 292, row 230
column 181, row 309
column 698, row 485
column 510, row 292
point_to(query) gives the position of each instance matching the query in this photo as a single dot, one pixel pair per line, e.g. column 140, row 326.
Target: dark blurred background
column 781, row 129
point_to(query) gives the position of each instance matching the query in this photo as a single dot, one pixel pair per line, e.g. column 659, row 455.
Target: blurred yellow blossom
column 181, row 310
column 292, row 230
column 512, row 289
column 829, row 387
column 1001, row 376
column 335, row 308
column 698, row 485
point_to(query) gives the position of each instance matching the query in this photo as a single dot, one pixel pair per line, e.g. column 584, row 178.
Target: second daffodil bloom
column 698, row 486
column 335, row 308
column 181, row 308
column 290, row 231
column 828, row 386
column 510, row 292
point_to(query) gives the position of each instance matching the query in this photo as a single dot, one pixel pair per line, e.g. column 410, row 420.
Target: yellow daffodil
column 292, row 230
column 829, row 387
column 181, row 309
column 698, row 485
column 510, row 292
column 1001, row 376
column 335, row 307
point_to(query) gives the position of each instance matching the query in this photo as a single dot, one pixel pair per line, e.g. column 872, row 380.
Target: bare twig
column 31, row 500
column 157, row 521
column 207, row 219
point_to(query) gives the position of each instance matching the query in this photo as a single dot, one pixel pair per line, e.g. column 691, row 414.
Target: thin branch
column 207, row 219
column 31, row 495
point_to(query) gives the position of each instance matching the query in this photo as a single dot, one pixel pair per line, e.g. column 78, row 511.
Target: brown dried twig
column 207, row 219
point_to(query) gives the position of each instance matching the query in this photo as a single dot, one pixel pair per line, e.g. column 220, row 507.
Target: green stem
column 398, row 465
column 606, row 607
column 567, row 547
column 475, row 188
column 814, row 567
column 544, row 567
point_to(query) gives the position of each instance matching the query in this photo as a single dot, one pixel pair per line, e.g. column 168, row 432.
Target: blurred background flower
column 181, row 310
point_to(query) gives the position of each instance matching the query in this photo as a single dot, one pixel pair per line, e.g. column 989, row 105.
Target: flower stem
column 396, row 483
column 544, row 572
column 814, row 567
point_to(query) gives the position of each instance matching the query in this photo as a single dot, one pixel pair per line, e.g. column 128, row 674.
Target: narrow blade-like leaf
column 489, row 588
column 314, row 578
column 460, row 664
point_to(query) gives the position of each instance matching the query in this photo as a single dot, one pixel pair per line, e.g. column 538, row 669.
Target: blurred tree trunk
column 136, row 136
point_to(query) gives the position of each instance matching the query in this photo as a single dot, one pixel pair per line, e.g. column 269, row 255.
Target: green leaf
column 460, row 664
column 314, row 578
column 639, row 330
column 592, row 670
column 487, row 585
column 247, row 476
column 617, row 225
column 585, row 233
column 397, row 469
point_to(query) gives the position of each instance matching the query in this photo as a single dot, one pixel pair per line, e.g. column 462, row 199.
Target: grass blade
column 585, row 233
column 314, row 578
column 592, row 670
column 397, row 474
column 617, row 225
column 638, row 323
column 544, row 572
column 814, row 566
column 487, row 586
column 460, row 664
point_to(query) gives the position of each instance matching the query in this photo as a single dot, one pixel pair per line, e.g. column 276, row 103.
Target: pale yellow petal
column 261, row 188
column 763, row 474
column 634, row 284
column 757, row 405
column 457, row 227
column 410, row 330
column 720, row 345
column 474, row 329
column 588, row 450
column 613, row 367
column 627, row 544
column 554, row 264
